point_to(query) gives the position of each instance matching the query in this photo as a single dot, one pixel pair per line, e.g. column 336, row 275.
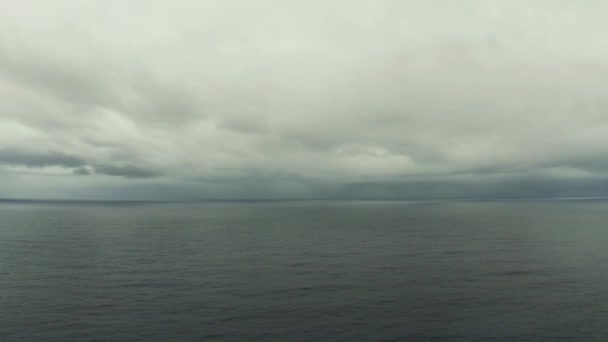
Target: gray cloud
column 38, row 159
column 29, row 159
column 126, row 171
column 82, row 171
column 304, row 99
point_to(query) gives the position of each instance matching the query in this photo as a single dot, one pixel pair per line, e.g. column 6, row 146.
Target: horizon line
column 244, row 200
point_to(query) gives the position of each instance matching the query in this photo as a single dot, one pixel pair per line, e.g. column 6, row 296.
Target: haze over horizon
column 268, row 99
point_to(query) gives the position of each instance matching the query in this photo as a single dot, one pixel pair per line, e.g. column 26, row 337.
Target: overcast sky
column 151, row 99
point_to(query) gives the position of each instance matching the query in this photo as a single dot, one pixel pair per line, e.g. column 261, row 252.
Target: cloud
column 125, row 171
column 304, row 99
column 82, row 171
column 37, row 159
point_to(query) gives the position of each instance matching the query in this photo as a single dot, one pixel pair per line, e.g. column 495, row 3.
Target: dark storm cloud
column 514, row 186
column 304, row 99
column 82, row 171
column 125, row 171
column 37, row 159
column 40, row 160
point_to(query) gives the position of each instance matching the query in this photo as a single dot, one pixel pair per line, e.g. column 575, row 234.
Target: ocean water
column 304, row 271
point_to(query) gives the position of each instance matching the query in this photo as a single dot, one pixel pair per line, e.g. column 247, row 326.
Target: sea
column 501, row 270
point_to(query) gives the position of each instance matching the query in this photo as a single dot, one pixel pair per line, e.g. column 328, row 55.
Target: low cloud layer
column 303, row 99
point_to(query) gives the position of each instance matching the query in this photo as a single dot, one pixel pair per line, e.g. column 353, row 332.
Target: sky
column 303, row 99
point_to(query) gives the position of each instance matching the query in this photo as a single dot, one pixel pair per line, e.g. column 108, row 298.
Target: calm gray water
column 297, row 271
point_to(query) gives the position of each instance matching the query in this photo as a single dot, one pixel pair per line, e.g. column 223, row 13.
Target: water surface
column 302, row 271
